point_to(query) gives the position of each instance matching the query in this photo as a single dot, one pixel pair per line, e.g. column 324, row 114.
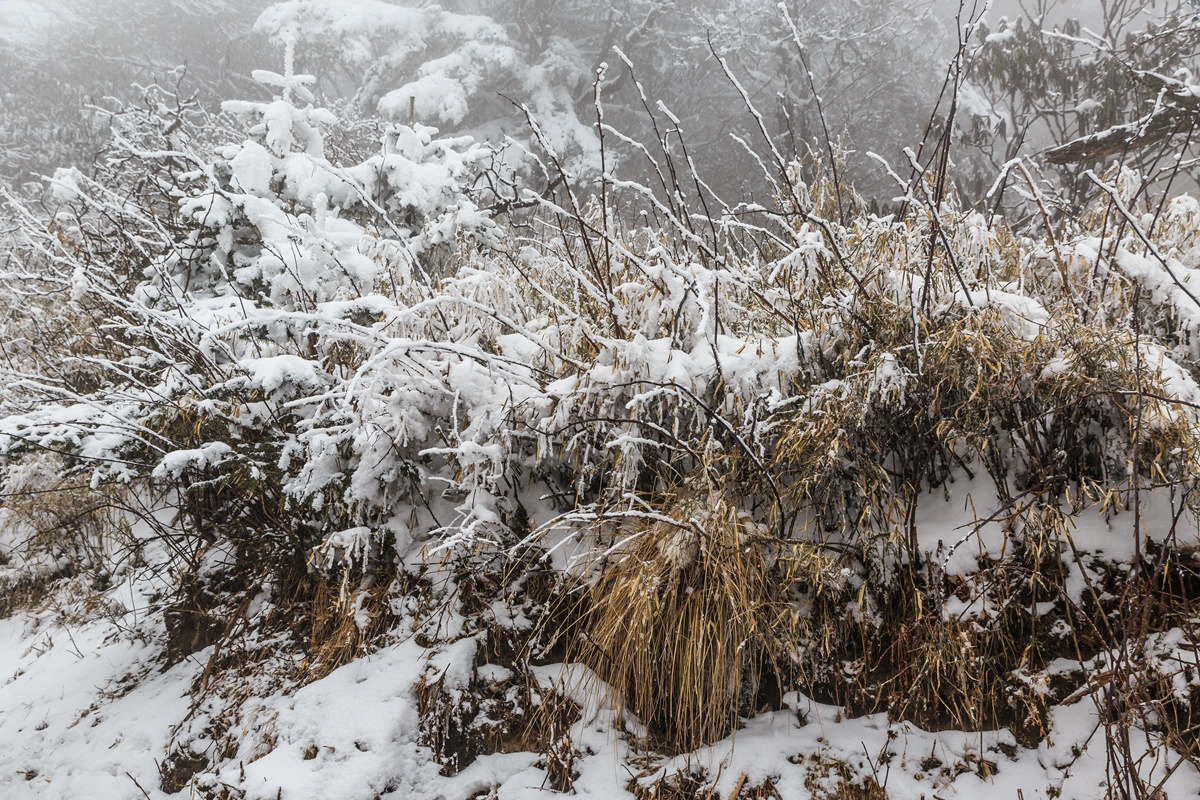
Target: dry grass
column 65, row 530
column 827, row 587
column 685, row 617
column 509, row 715
column 833, row 780
column 1053, row 416
column 344, row 628
column 25, row 592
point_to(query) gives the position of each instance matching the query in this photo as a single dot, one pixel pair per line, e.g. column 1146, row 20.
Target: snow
column 1025, row 315
column 962, row 525
column 252, row 169
column 64, row 186
column 431, row 97
column 89, row 711
column 1167, row 280
column 273, row 372
column 210, row 455
column 352, row 735
column 419, row 396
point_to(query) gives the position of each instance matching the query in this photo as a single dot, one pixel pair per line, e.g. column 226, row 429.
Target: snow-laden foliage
column 433, row 65
column 474, row 65
column 918, row 464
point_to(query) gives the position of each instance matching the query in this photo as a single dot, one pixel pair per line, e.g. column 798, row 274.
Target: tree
column 59, row 71
column 1080, row 92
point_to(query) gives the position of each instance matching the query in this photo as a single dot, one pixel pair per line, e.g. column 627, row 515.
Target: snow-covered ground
column 91, row 712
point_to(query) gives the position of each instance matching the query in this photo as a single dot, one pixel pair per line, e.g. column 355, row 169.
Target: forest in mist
column 650, row 400
column 867, row 77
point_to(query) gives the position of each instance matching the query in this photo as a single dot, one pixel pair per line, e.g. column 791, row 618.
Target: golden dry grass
column 685, row 616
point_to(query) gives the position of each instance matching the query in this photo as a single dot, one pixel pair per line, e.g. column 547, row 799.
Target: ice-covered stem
column 812, row 85
column 289, row 67
column 1115, row 197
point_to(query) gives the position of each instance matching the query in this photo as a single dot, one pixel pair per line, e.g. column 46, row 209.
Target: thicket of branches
column 379, row 383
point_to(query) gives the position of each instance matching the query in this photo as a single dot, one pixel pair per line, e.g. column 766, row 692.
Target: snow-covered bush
column 904, row 464
column 430, row 64
column 217, row 293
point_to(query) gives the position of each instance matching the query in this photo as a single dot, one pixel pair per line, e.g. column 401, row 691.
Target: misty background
column 832, row 82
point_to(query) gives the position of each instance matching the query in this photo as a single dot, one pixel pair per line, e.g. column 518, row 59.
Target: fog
column 878, row 71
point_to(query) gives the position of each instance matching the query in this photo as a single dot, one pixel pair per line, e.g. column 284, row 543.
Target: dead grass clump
column 57, row 515
column 344, row 628
column 496, row 710
column 695, row 784
column 487, row 615
column 684, row 784
column 179, row 768
column 686, row 616
column 61, row 530
column 1059, row 416
column 196, row 619
column 25, row 592
column 834, row 780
